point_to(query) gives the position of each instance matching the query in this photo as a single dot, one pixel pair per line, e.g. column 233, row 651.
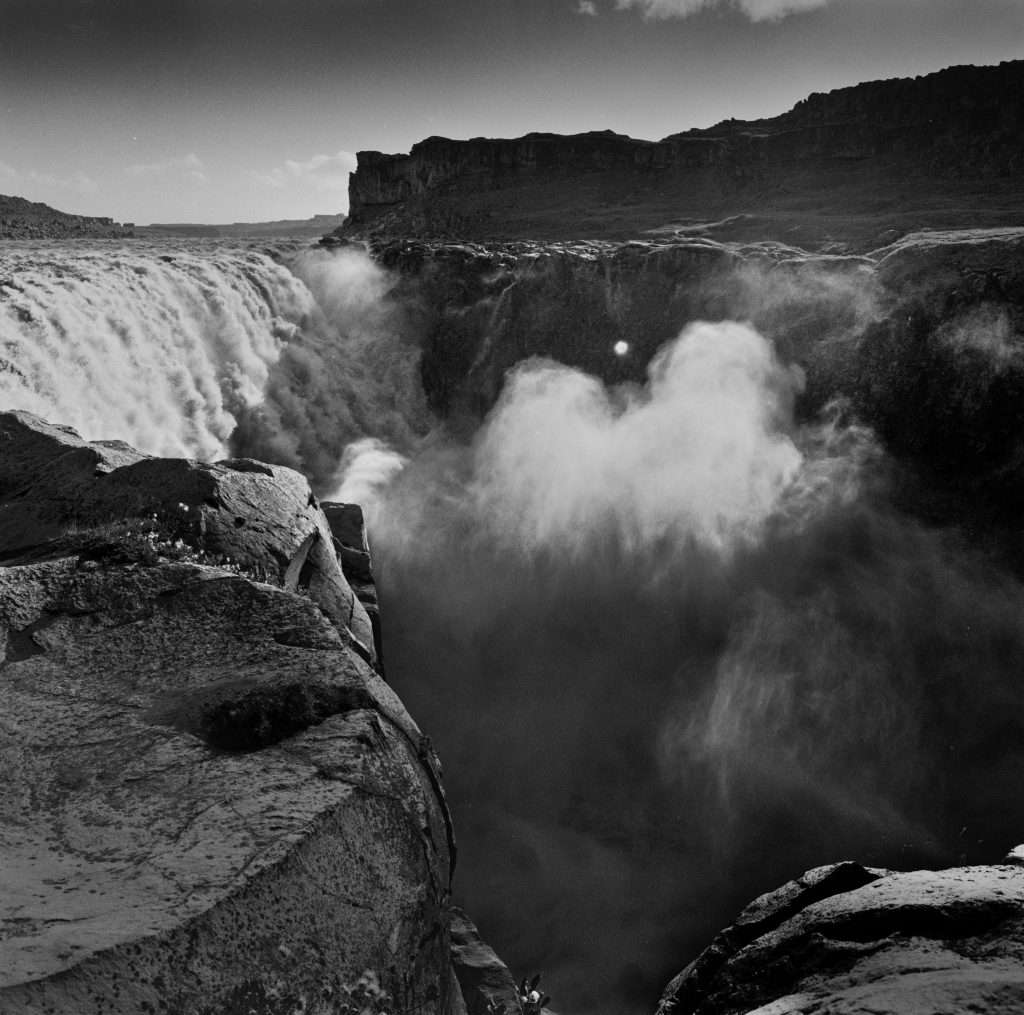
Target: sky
column 253, row 110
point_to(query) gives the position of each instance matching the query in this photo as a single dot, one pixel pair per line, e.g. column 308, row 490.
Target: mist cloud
column 80, row 183
column 351, row 370
column 367, row 466
column 699, row 455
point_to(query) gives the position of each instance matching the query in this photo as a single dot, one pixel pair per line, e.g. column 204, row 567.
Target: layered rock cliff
column 940, row 150
column 211, row 800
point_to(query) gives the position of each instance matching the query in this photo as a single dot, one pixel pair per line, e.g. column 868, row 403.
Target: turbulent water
column 674, row 643
column 201, row 349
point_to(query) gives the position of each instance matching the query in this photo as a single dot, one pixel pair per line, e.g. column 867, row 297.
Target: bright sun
column 621, row 348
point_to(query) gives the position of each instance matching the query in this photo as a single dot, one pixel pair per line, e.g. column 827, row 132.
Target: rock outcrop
column 847, row 940
column 486, row 985
column 943, row 150
column 210, row 800
column 32, row 220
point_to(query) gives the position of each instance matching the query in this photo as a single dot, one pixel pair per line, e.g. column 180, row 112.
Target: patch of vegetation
column 157, row 538
column 532, row 999
column 264, row 716
column 365, row 997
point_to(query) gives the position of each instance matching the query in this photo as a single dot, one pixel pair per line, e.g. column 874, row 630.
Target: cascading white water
column 203, row 349
column 158, row 348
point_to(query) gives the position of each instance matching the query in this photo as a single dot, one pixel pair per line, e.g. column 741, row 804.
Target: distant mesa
column 279, row 228
column 945, row 150
column 21, row 219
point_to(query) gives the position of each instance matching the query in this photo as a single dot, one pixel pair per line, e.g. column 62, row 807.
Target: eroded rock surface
column 210, row 801
column 849, row 940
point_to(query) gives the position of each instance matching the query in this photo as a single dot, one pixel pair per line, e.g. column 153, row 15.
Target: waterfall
column 205, row 350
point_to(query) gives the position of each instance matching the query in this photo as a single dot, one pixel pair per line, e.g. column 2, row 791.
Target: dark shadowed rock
column 487, row 986
column 210, row 802
column 846, row 939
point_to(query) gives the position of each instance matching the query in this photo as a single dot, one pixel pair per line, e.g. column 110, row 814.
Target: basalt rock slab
column 848, row 940
column 210, row 801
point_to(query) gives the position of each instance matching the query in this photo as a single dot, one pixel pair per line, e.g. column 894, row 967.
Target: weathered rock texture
column 210, row 801
column 850, row 940
column 942, row 150
column 31, row 220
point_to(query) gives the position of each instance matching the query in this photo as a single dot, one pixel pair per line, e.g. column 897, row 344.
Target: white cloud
column 322, row 172
column 189, row 166
column 31, row 179
column 587, row 7
column 756, row 10
column 8, row 174
column 77, row 182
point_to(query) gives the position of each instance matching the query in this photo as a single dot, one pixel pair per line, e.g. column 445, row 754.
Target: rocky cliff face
column 941, row 150
column 32, row 220
column 211, row 800
column 847, row 939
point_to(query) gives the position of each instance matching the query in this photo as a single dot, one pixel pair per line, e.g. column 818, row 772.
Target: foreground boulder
column 847, row 940
column 210, row 800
